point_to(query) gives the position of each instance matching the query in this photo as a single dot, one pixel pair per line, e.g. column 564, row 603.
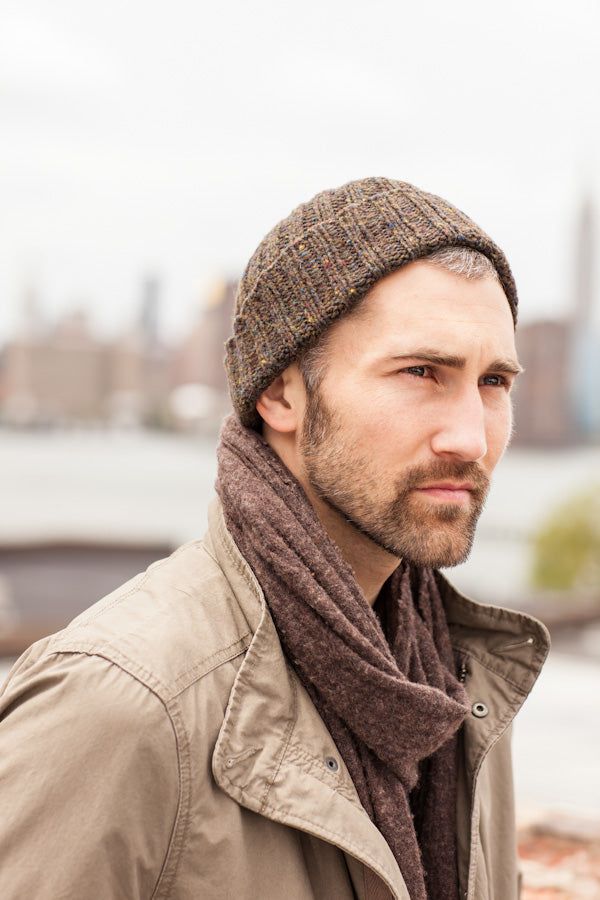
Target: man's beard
column 406, row 524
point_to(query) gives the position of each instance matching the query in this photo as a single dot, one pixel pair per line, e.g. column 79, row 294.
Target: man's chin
column 435, row 551
column 437, row 539
column 429, row 554
column 441, row 539
column 438, row 560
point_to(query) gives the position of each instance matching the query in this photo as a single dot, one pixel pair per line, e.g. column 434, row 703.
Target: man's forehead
column 446, row 339
column 432, row 303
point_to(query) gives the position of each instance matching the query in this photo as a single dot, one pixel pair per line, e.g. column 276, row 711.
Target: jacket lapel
column 275, row 756
column 503, row 652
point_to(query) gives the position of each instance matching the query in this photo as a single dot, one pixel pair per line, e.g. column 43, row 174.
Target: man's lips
column 448, row 486
column 448, row 491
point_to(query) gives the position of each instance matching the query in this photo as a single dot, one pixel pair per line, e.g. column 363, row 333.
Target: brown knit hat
column 319, row 261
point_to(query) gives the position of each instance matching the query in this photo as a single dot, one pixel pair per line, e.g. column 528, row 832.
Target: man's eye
column 496, row 380
column 417, row 371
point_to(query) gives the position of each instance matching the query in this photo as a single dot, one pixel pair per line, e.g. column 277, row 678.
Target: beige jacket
column 161, row 747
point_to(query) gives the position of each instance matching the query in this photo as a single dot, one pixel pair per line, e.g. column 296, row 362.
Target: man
column 300, row 705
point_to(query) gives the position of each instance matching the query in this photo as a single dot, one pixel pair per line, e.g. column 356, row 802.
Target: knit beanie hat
column 319, row 261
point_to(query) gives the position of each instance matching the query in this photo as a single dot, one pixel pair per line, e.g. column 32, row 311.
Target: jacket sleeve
column 88, row 782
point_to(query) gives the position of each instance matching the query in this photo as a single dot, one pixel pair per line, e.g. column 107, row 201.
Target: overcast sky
column 170, row 137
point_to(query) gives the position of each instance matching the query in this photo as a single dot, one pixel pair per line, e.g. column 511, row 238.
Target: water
column 102, row 485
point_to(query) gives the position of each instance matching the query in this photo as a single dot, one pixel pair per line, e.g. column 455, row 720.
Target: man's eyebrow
column 502, row 365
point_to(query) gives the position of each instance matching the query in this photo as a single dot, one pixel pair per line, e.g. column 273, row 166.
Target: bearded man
column 300, row 705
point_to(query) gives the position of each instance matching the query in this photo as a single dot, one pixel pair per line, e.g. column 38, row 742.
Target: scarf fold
column 382, row 678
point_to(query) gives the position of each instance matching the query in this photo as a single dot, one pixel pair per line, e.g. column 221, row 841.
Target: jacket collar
column 274, row 754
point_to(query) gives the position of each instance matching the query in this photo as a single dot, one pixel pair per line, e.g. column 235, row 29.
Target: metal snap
column 332, row 763
column 479, row 709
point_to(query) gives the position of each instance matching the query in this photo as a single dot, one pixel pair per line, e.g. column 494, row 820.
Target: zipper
column 463, row 669
column 463, row 672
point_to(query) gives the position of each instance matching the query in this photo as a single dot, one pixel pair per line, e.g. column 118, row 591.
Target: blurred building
column 584, row 376
column 200, row 392
column 543, row 411
column 557, row 401
column 138, row 367
column 199, row 357
column 56, row 375
column 63, row 374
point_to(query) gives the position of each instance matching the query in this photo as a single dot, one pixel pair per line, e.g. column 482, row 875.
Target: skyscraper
column 584, row 368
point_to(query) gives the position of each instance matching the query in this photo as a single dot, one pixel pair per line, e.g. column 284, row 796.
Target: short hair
column 463, row 261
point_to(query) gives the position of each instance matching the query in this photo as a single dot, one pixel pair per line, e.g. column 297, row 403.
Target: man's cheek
column 501, row 436
column 510, row 423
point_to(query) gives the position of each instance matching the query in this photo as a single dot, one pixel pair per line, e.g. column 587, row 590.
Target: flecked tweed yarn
column 318, row 262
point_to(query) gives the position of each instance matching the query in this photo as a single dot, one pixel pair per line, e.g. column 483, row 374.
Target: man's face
column 416, row 394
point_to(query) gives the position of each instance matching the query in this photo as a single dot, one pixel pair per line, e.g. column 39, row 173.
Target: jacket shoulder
column 167, row 626
column 73, row 730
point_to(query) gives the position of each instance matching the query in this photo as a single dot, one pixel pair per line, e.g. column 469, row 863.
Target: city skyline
column 64, row 372
column 580, row 298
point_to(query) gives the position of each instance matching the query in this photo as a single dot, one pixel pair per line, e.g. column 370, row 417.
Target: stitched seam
column 328, row 832
column 177, row 838
column 132, row 590
column 286, row 740
column 338, row 789
column 493, row 740
column 244, row 570
column 522, row 690
column 178, row 841
column 198, row 671
column 250, row 662
column 500, row 613
column 239, row 563
column 113, row 655
column 212, row 555
column 493, row 613
column 244, row 754
column 135, row 670
column 312, row 765
column 303, row 755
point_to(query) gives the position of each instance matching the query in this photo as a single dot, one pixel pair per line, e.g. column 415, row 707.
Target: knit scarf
column 381, row 678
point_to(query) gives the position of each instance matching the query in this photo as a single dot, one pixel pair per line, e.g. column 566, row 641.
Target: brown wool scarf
column 382, row 679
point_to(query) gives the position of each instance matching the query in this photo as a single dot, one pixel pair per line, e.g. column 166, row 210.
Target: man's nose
column 462, row 431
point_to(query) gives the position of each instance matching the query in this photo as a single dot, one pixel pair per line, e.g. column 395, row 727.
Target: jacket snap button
column 479, row 709
column 331, row 763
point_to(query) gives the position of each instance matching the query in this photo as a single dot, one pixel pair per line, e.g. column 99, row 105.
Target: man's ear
column 281, row 405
